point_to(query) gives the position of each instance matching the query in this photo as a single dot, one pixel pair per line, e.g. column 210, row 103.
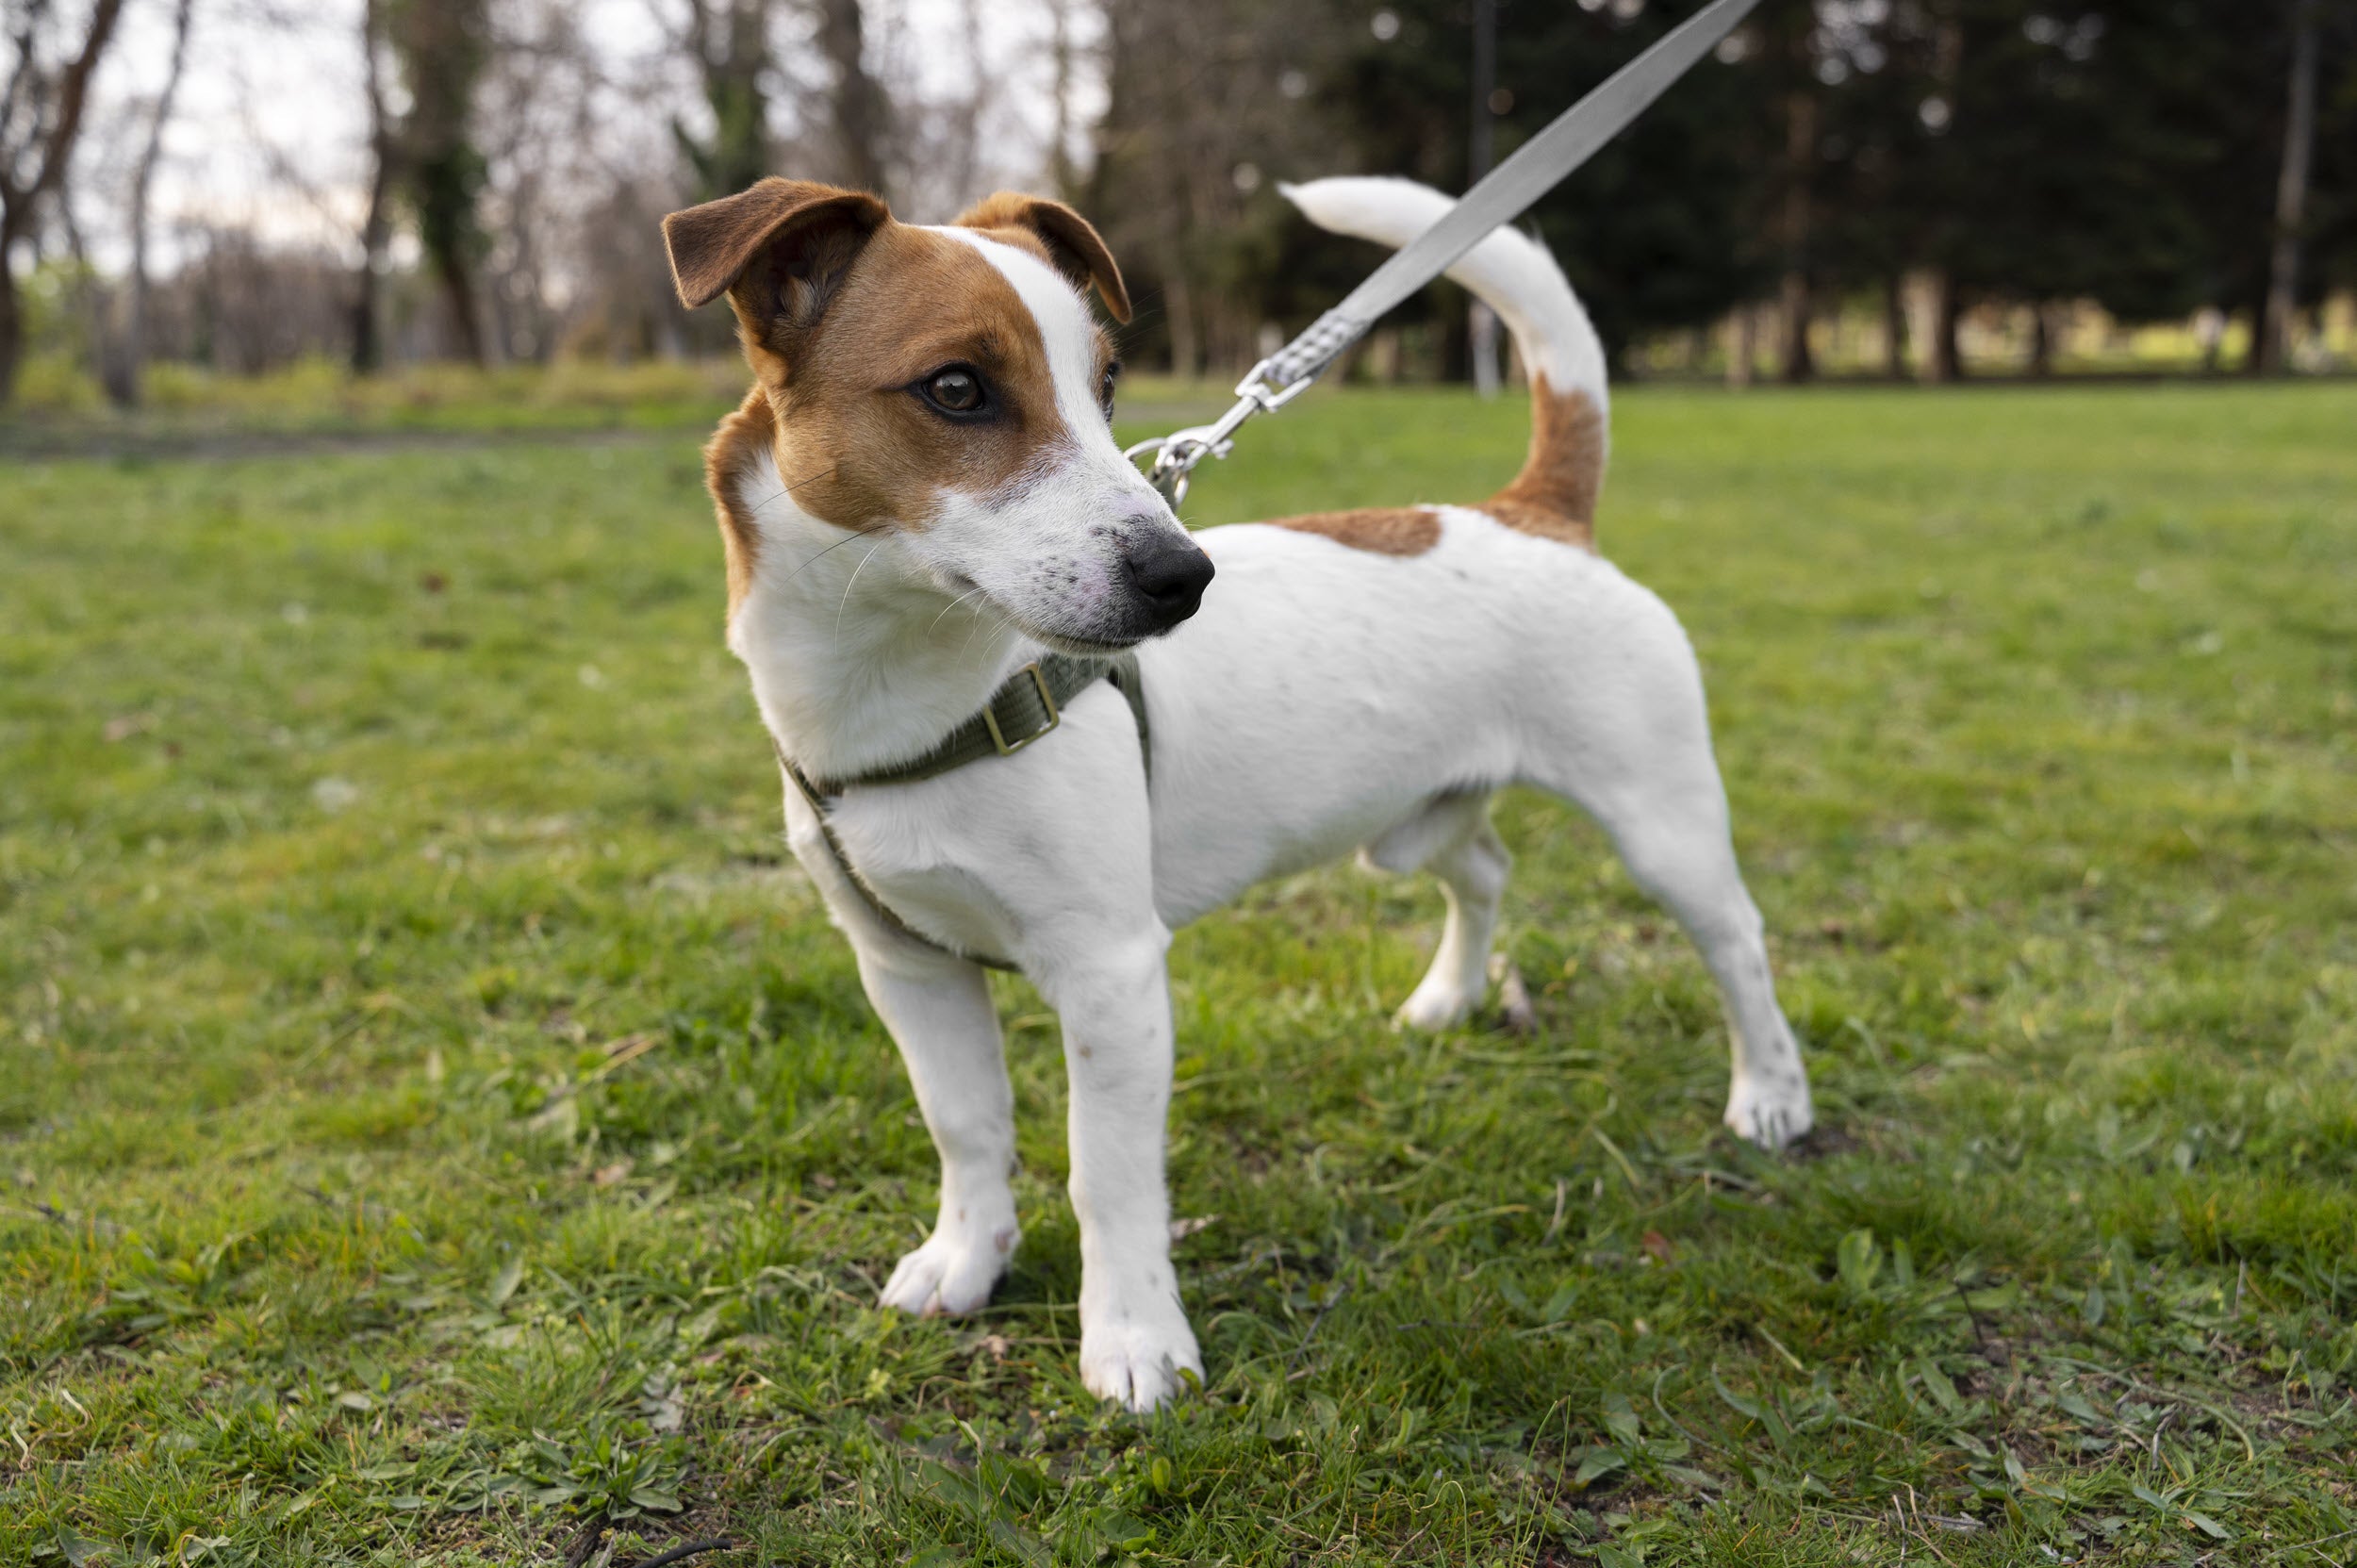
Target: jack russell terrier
column 925, row 515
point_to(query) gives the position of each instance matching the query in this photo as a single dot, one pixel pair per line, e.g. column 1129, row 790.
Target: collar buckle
column 1046, row 699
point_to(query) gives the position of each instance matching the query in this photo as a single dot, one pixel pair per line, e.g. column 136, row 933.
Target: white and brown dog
column 938, row 400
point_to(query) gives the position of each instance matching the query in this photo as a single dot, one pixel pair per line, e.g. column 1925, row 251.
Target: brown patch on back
column 1380, row 530
column 732, row 458
column 1555, row 495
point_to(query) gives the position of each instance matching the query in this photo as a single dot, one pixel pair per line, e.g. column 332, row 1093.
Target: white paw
column 952, row 1273
column 1139, row 1364
column 1771, row 1113
column 1433, row 1008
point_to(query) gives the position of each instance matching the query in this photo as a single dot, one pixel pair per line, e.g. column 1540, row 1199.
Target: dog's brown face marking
column 1382, row 530
column 1555, row 495
column 733, row 472
column 947, row 390
column 859, row 440
column 847, row 316
column 1055, row 234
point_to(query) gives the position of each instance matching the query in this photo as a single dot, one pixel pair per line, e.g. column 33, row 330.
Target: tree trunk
column 1481, row 324
column 87, row 296
column 730, row 44
column 1060, row 171
column 458, row 293
column 367, row 349
column 2254, row 361
column 11, row 321
column 17, row 199
column 1186, row 351
column 2041, row 343
column 859, row 104
column 443, row 46
column 1742, row 345
column 2273, row 349
column 1943, row 361
column 1793, row 320
column 123, row 385
column 1800, row 151
column 1895, row 327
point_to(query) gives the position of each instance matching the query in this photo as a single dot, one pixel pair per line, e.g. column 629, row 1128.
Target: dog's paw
column 1139, row 1365
column 1430, row 1009
column 1773, row 1114
column 952, row 1273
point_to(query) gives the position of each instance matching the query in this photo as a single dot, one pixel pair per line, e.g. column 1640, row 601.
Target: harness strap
column 1026, row 707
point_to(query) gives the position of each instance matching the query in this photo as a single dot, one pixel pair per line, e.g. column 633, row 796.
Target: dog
column 921, row 496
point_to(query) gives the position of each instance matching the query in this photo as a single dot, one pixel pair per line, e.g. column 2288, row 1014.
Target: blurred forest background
column 195, row 192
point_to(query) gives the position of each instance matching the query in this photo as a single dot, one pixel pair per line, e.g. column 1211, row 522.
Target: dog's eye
column 958, row 389
column 1105, row 389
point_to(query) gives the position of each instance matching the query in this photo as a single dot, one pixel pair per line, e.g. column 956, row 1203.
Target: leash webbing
column 1537, row 167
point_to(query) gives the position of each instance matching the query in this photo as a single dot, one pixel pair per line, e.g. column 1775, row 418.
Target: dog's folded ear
column 1075, row 248
column 807, row 234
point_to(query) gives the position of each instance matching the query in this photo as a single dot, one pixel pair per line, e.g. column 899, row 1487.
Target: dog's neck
column 859, row 659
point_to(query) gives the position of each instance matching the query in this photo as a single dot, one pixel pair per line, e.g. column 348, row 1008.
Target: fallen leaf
column 1658, row 1244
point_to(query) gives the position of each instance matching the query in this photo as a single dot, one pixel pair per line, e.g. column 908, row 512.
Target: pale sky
column 268, row 131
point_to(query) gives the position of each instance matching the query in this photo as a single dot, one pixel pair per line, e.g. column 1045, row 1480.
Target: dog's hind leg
column 1637, row 757
column 1453, row 839
column 939, row 1010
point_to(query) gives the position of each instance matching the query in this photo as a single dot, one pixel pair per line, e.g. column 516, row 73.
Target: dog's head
column 948, row 391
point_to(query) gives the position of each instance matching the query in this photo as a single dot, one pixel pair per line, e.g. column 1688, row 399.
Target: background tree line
column 505, row 162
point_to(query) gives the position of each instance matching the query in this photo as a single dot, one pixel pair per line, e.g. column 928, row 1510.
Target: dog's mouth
column 1098, row 643
column 1083, row 646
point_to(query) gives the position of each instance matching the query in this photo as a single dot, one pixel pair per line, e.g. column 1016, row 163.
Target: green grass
column 185, row 405
column 433, row 1120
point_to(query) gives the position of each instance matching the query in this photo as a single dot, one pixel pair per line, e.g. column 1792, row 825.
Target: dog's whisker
column 787, row 486
column 855, row 533
column 951, row 605
column 849, row 585
column 1005, row 621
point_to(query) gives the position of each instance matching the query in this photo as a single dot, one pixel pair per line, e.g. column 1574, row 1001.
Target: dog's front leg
column 1114, row 997
column 939, row 1012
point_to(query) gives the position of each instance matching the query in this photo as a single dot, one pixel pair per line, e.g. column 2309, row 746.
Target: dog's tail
column 1513, row 275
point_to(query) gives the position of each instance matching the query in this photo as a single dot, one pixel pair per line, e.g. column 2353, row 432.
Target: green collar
column 1029, row 705
column 1026, row 707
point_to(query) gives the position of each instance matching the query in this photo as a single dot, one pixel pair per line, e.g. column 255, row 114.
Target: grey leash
column 1537, row 167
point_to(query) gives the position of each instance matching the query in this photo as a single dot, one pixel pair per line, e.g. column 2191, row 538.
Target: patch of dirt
column 1824, row 1142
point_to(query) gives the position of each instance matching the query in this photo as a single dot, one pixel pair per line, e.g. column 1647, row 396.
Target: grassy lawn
column 434, row 1123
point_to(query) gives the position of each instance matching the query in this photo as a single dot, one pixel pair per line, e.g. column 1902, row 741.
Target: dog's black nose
column 1167, row 574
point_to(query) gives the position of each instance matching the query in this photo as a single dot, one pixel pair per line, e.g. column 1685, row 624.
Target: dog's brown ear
column 807, row 234
column 1077, row 250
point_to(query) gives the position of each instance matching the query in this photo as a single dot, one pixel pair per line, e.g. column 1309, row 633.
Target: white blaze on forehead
column 1065, row 325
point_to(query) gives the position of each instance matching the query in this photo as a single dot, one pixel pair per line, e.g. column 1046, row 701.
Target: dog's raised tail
column 1513, row 275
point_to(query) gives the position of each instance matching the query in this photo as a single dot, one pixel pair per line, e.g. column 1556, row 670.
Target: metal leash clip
column 1176, row 453
column 1269, row 384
